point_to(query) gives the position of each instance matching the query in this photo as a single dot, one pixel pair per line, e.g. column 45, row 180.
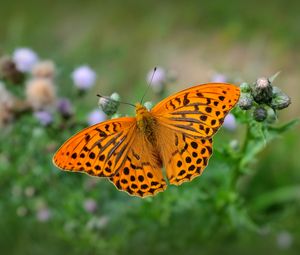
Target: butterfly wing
column 141, row 174
column 114, row 149
column 186, row 123
column 197, row 111
column 99, row 150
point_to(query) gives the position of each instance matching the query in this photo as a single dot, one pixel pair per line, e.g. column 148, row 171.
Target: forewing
column 99, row 150
column 197, row 111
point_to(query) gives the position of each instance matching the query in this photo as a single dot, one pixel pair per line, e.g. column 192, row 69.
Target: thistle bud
column 272, row 117
column 260, row 114
column 246, row 101
column 280, row 100
column 109, row 105
column 148, row 105
column 245, row 87
column 262, row 92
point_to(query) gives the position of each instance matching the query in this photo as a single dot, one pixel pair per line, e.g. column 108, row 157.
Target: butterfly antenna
column 110, row 99
column 149, row 84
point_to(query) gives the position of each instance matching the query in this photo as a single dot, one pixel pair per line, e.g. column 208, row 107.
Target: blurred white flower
column 230, row 122
column 97, row 223
column 29, row 191
column 16, row 191
column 234, row 144
column 24, row 59
column 43, row 214
column 84, row 77
column 158, row 80
column 90, row 205
column 96, row 116
column 44, row 117
column 218, row 77
column 284, row 240
column 21, row 211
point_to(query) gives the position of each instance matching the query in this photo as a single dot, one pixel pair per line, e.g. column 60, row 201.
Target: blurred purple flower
column 96, row 116
column 44, row 117
column 84, row 77
column 90, row 205
column 43, row 214
column 218, row 77
column 230, row 122
column 159, row 79
column 24, row 59
column 64, row 107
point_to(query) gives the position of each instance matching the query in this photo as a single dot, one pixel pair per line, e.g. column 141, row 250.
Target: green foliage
column 36, row 196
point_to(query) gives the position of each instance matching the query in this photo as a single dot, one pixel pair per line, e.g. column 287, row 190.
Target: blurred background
column 44, row 210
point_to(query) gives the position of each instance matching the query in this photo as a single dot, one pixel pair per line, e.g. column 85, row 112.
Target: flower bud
column 262, row 92
column 245, row 101
column 148, row 105
column 280, row 100
column 272, row 117
column 260, row 114
column 110, row 105
column 245, row 87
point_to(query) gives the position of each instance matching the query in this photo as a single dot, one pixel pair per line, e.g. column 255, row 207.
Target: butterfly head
column 140, row 110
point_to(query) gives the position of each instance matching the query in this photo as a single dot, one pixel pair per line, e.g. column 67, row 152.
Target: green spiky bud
column 148, row 105
column 109, row 105
column 245, row 87
column 260, row 114
column 279, row 100
column 272, row 117
column 262, row 91
column 245, row 101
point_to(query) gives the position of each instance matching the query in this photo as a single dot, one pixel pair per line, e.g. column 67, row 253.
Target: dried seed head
column 8, row 71
column 262, row 92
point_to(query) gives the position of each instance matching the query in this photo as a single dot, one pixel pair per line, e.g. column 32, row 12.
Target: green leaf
column 285, row 127
column 280, row 195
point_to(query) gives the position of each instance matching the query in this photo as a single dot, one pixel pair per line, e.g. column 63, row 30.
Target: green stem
column 236, row 173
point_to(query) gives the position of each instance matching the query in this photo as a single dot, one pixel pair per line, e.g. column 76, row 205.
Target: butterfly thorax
column 145, row 122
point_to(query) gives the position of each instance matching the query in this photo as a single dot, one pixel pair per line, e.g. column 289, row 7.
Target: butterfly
column 131, row 151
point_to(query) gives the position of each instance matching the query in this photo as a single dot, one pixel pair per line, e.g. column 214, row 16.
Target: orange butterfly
column 176, row 133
